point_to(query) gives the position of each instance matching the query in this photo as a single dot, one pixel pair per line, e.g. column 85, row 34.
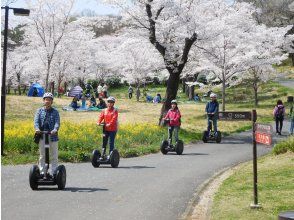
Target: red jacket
column 174, row 116
column 109, row 117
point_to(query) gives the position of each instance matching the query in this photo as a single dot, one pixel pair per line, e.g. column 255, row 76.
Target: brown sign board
column 263, row 128
column 263, row 138
column 234, row 116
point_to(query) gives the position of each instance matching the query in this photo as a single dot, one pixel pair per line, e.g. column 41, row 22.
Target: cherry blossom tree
column 50, row 20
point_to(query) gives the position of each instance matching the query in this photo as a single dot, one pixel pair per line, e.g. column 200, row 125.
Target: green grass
column 275, row 190
column 284, row 146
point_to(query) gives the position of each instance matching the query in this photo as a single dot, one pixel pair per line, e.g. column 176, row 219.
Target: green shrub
column 284, row 146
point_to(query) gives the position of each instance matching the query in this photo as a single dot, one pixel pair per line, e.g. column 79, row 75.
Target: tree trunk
column 184, row 84
column 171, row 93
column 65, row 87
column 255, row 95
column 24, row 89
column 292, row 58
column 52, row 87
column 191, row 92
column 19, row 89
column 223, row 92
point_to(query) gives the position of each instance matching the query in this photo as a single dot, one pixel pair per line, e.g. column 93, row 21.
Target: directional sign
column 263, row 138
column 263, row 128
column 235, row 116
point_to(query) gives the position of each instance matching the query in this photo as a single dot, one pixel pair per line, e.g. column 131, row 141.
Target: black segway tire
column 179, row 147
column 219, row 137
column 114, row 158
column 61, row 177
column 163, row 147
column 95, row 156
column 204, row 136
column 34, row 176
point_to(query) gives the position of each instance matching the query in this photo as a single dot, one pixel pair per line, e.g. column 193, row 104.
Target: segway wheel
column 34, row 176
column 219, row 137
column 163, row 147
column 179, row 147
column 95, row 156
column 114, row 158
column 61, row 177
column 204, row 136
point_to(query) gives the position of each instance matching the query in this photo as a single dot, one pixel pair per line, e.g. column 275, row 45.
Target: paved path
column 150, row 187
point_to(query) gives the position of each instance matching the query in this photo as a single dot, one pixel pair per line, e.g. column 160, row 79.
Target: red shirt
column 109, row 117
column 174, row 116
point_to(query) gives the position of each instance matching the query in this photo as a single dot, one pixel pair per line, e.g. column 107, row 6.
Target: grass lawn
column 275, row 190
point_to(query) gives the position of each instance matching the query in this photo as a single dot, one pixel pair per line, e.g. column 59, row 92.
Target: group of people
column 148, row 98
column 91, row 102
column 47, row 119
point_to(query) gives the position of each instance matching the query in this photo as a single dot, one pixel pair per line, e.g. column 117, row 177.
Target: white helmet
column 213, row 95
column 174, row 101
column 48, row 95
column 111, row 99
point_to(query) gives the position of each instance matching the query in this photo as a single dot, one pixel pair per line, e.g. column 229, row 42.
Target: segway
column 167, row 146
column 98, row 158
column 211, row 135
column 45, row 178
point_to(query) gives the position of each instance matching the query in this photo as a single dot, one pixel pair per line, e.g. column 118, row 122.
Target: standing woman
column 174, row 121
column 109, row 117
column 279, row 114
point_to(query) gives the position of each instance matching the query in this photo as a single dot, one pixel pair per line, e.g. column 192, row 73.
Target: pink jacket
column 174, row 116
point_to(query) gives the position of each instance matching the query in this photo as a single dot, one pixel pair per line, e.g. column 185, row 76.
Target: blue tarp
column 38, row 88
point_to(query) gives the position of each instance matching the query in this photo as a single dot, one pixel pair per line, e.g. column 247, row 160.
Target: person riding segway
column 47, row 123
column 107, row 119
column 173, row 117
column 211, row 110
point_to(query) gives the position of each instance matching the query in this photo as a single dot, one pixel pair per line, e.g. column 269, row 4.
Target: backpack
column 280, row 113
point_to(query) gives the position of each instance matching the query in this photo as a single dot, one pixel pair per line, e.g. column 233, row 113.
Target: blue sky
column 80, row 5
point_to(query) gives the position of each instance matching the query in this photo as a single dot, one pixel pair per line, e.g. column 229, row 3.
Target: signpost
column 234, row 116
column 261, row 133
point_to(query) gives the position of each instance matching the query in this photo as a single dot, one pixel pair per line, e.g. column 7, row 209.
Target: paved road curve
column 151, row 187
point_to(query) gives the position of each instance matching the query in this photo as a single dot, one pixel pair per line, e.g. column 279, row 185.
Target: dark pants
column 214, row 122
column 111, row 136
column 130, row 95
column 279, row 124
column 172, row 129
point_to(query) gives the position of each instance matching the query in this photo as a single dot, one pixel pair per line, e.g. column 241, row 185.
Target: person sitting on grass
column 101, row 104
column 157, row 98
column 74, row 103
column 93, row 101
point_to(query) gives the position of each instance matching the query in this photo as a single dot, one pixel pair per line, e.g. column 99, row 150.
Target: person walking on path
column 47, row 119
column 130, row 91
column 291, row 116
column 138, row 93
column 279, row 114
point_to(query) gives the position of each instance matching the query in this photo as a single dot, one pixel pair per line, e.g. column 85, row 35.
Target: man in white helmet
column 47, row 119
column 211, row 109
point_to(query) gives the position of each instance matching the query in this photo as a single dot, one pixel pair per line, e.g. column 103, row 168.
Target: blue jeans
column 292, row 126
column 214, row 122
column 111, row 136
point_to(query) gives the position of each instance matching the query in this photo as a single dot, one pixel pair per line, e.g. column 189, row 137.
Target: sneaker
column 108, row 157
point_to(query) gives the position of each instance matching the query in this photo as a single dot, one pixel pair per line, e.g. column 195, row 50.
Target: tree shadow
column 188, row 154
column 73, row 189
column 135, row 167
